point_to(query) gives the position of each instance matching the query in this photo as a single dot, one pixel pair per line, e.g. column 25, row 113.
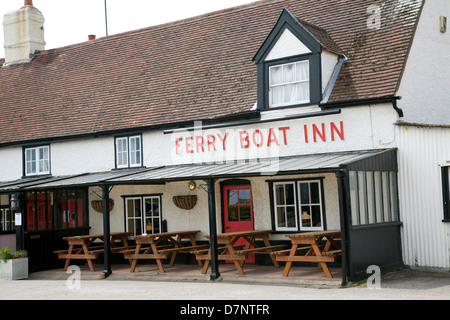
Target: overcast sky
column 71, row 21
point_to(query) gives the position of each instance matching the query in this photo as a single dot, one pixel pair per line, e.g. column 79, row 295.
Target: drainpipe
column 106, row 231
column 213, row 230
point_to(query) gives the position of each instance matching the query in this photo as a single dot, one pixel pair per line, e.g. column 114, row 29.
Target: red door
column 238, row 210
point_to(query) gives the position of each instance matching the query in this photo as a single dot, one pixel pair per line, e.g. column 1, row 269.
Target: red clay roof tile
column 198, row 68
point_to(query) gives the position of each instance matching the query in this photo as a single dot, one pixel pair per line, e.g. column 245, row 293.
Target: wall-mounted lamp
column 192, row 185
column 14, row 202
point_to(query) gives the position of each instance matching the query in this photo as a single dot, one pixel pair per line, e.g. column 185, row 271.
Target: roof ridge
column 168, row 24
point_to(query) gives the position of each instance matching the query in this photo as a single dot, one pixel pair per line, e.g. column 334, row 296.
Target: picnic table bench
column 147, row 247
column 86, row 248
column 315, row 252
column 238, row 253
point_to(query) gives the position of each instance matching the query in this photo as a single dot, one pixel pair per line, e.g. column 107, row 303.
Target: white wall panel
column 425, row 237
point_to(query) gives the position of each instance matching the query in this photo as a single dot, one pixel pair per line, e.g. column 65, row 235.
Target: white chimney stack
column 24, row 33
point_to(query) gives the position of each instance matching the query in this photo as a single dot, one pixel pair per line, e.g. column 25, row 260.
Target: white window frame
column 276, row 206
column 128, row 152
column 285, row 84
column 310, row 204
column 39, row 163
column 5, row 216
column 142, row 215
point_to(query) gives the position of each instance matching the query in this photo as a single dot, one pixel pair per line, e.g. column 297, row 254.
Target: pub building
column 285, row 115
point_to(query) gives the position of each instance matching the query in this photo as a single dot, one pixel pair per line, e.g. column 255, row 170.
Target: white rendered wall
column 367, row 127
column 10, row 163
column 198, row 217
column 425, row 82
column 82, row 156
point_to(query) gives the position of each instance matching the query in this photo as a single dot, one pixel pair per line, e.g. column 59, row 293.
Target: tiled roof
column 198, row 68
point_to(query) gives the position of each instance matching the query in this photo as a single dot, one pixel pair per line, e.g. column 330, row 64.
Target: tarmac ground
column 185, row 283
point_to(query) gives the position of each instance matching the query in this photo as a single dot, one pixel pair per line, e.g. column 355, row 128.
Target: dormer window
column 292, row 63
column 289, row 84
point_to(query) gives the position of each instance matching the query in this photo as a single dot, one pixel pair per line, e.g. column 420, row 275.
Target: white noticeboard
column 18, row 219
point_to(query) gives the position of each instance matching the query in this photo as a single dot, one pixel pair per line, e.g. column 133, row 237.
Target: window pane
column 316, row 216
column 362, row 197
column 244, row 196
column 394, row 199
column 281, row 218
column 302, row 71
column 276, row 95
column 302, row 91
column 304, row 193
column 378, row 197
column 386, row 196
column 354, row 199
column 290, row 93
column 290, row 213
column 232, row 197
column 43, row 160
column 130, row 208
column 233, row 214
column 288, row 73
column 290, row 197
column 245, row 213
column 370, row 197
column 315, row 193
column 275, row 75
column 306, row 216
column 279, row 194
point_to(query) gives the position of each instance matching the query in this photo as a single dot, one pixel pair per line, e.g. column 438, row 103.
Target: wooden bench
column 148, row 247
column 332, row 253
column 315, row 253
column 187, row 249
column 281, row 253
column 260, row 250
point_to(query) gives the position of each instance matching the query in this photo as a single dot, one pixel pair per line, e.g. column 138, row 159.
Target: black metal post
column 20, row 234
column 213, row 230
column 106, row 231
column 340, row 175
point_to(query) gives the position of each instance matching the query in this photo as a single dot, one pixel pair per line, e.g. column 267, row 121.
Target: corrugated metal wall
column 425, row 237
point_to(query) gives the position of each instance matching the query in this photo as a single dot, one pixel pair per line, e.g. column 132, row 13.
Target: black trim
column 286, row 21
column 446, row 193
column 360, row 102
column 128, row 151
column 141, row 197
column 289, row 22
column 24, row 171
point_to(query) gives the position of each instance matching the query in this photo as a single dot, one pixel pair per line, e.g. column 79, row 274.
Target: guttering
column 255, row 121
column 360, row 102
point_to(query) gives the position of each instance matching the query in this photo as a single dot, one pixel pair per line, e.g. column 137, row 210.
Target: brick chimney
column 24, row 33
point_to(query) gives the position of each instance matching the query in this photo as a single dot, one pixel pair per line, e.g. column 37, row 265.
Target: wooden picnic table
column 315, row 253
column 85, row 247
column 159, row 252
column 238, row 253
